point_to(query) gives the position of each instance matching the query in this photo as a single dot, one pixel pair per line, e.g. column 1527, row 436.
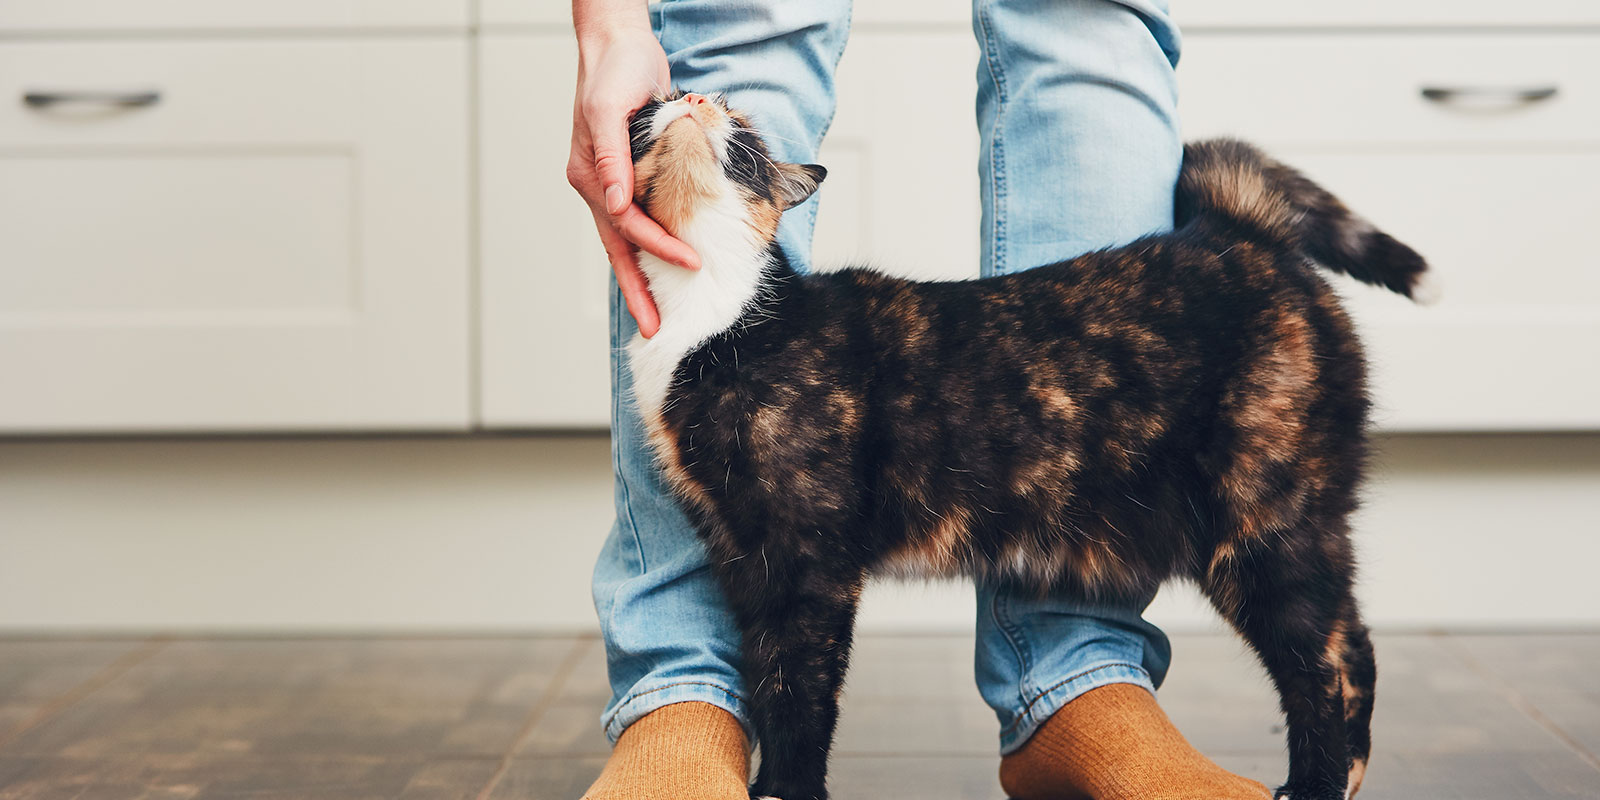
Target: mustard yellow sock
column 682, row 750
column 1115, row 743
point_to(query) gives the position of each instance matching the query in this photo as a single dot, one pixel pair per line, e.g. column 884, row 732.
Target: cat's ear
column 796, row 182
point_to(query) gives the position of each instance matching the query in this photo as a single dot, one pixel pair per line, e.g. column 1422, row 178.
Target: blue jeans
column 1080, row 151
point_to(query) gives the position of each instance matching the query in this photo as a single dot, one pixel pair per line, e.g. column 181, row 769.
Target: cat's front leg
column 797, row 617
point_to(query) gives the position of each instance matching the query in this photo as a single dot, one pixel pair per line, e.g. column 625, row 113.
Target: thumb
column 614, row 166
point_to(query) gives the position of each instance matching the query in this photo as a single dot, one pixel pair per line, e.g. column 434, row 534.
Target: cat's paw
column 1292, row 792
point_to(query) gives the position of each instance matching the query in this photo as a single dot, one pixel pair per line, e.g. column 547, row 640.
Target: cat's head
column 693, row 157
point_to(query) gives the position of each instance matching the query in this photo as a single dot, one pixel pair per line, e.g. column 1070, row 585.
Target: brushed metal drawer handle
column 119, row 99
column 1524, row 94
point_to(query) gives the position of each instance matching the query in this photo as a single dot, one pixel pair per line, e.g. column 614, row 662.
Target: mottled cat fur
column 1191, row 405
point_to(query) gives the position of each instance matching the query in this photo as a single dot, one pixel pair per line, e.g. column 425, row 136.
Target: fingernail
column 615, row 202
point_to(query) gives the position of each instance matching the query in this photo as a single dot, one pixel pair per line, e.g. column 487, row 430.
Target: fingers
column 649, row 236
column 636, row 293
column 635, row 288
column 612, row 161
column 613, row 167
column 606, row 182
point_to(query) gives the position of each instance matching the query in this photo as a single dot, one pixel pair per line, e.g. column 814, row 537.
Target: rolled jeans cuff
column 646, row 699
column 1051, row 699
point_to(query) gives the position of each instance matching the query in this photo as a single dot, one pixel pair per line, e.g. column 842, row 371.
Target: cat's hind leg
column 1289, row 596
column 797, row 619
column 1358, row 678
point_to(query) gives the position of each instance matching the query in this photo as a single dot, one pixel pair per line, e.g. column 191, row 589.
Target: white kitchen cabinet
column 124, row 16
column 1191, row 14
column 499, row 15
column 543, row 290
column 1496, row 190
column 277, row 240
column 283, row 239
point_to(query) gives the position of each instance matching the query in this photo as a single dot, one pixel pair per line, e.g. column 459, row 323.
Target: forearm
column 597, row 20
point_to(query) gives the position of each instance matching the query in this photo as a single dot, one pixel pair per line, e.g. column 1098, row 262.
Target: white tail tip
column 1427, row 290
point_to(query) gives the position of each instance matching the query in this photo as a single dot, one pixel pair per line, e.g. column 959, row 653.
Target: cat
column 1190, row 405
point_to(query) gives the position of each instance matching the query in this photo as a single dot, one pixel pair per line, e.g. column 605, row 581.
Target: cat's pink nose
column 694, row 99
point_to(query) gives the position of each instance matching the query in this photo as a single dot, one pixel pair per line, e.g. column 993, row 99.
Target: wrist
column 598, row 27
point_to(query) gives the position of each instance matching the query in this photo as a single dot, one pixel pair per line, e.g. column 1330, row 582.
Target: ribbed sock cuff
column 645, row 699
column 1046, row 702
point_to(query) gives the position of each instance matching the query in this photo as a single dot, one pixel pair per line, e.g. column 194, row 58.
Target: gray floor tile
column 429, row 719
column 152, row 777
column 35, row 672
column 309, row 697
column 911, row 666
column 1479, row 776
column 1538, row 662
column 1268, row 768
column 547, row 779
column 587, row 680
column 568, row 728
column 951, row 725
column 1428, row 701
column 1573, row 714
column 961, row 778
column 1446, row 776
column 1220, row 697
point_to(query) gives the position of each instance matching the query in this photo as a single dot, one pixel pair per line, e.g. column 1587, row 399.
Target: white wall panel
column 279, row 242
column 906, row 204
column 74, row 16
column 1496, row 191
column 483, row 533
column 543, row 290
column 1191, row 14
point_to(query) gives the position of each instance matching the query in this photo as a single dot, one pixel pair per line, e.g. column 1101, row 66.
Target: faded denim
column 1080, row 151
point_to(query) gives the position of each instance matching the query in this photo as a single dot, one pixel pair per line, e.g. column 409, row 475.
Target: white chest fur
column 696, row 305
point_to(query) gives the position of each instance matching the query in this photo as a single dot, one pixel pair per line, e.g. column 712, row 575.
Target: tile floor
column 1498, row 717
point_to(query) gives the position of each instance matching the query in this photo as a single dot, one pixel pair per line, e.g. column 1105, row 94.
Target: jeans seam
column 822, row 131
column 997, row 161
column 1013, row 634
column 617, row 399
column 636, row 695
column 1023, row 713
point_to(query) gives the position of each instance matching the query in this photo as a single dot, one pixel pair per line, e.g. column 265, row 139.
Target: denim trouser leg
column 1080, row 151
column 669, row 637
column 1079, row 94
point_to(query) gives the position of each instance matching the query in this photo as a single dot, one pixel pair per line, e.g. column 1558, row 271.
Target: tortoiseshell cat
column 1190, row 405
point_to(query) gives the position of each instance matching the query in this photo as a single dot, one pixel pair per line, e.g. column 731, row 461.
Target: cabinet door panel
column 33, row 16
column 902, row 155
column 1499, row 198
column 1191, row 15
column 1512, row 344
column 278, row 243
column 1385, row 13
column 907, row 205
column 543, row 291
column 1352, row 89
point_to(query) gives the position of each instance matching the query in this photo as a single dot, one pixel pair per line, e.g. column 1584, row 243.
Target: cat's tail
column 1237, row 181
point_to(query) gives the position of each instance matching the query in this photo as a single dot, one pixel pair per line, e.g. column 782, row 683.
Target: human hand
column 620, row 66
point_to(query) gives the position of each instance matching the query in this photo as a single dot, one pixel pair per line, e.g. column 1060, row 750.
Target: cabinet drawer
column 1190, row 14
column 543, row 285
column 46, row 16
column 1367, row 89
column 278, row 241
column 1498, row 196
column 1385, row 13
column 543, row 292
